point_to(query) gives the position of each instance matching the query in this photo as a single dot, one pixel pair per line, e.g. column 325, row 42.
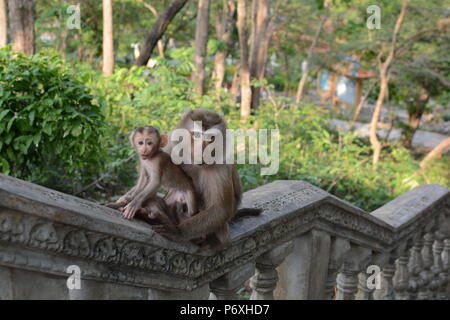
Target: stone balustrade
column 307, row 244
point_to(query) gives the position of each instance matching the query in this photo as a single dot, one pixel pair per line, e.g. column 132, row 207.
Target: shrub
column 49, row 122
column 340, row 163
column 157, row 96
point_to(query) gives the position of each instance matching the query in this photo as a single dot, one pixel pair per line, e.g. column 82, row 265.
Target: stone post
column 6, row 289
column 306, row 267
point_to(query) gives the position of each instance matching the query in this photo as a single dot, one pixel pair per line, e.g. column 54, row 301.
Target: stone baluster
column 225, row 287
column 426, row 274
column 370, row 278
column 401, row 277
column 330, row 285
column 264, row 282
column 446, row 265
column 387, row 278
column 364, row 293
column 338, row 250
column 347, row 284
column 437, row 285
column 442, row 252
column 415, row 267
column 347, row 280
column 370, row 289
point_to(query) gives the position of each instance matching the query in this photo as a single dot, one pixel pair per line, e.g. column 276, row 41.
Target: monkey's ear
column 163, row 141
column 132, row 137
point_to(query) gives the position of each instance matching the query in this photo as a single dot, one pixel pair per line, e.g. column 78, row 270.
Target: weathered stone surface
column 405, row 209
column 201, row 293
column 305, row 269
column 45, row 231
column 6, row 289
column 225, row 287
column 36, row 286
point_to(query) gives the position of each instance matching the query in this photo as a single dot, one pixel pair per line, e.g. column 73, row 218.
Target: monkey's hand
column 130, row 209
column 124, row 200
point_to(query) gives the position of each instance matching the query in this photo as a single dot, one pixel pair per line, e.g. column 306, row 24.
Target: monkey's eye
column 149, row 143
column 140, row 143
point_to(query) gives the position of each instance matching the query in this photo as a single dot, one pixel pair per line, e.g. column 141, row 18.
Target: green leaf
column 9, row 137
column 10, row 123
column 76, row 131
column 29, row 141
column 37, row 138
column 5, row 166
column 23, row 148
column 3, row 114
column 10, row 154
column 47, row 129
column 31, row 116
column 83, row 148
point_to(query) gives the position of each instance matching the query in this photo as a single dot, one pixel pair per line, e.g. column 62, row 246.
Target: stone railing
column 307, row 244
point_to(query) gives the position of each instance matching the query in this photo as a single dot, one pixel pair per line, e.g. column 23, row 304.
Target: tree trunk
column 376, row 144
column 155, row 13
column 384, row 79
column 262, row 29
column 3, row 24
column 108, row 42
column 224, row 28
column 438, row 150
column 62, row 44
column 201, row 45
column 415, row 113
column 246, row 91
column 158, row 30
column 287, row 76
column 80, row 49
column 21, row 19
column 302, row 82
column 235, row 82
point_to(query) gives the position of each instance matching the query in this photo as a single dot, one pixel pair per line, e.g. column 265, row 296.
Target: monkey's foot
column 167, row 231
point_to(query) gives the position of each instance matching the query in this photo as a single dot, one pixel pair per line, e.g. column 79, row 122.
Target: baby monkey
column 157, row 171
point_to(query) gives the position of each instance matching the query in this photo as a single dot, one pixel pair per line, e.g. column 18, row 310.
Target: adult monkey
column 217, row 186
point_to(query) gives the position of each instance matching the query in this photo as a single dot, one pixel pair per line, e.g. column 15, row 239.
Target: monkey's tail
column 246, row 212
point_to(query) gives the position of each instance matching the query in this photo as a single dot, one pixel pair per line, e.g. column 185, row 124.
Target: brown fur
column 157, row 171
column 217, row 185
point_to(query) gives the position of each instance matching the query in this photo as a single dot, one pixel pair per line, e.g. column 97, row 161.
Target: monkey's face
column 207, row 132
column 146, row 144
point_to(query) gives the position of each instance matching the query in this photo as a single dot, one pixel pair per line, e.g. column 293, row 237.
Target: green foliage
column 156, row 96
column 310, row 150
column 49, row 122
